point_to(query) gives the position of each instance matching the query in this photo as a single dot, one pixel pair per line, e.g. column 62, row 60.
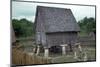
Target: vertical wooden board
column 54, row 39
column 38, row 37
column 43, row 38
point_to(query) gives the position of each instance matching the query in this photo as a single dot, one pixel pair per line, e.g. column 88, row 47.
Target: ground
column 70, row 58
column 58, row 58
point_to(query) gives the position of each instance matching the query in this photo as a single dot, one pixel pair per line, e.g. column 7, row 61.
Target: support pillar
column 85, row 57
column 38, row 50
column 80, row 48
column 34, row 49
column 46, row 52
column 64, row 49
column 75, row 51
column 75, row 55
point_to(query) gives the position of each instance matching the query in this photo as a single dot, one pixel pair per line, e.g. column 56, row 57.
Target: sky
column 28, row 10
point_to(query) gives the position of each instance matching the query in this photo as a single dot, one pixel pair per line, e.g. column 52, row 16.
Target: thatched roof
column 53, row 19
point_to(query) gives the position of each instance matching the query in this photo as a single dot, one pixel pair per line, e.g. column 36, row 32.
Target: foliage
column 87, row 24
column 23, row 27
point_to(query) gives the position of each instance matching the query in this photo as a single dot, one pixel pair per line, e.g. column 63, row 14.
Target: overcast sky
column 27, row 10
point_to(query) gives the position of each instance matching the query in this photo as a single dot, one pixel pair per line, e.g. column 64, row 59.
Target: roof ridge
column 53, row 7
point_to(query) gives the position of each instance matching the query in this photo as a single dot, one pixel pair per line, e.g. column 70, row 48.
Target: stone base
column 46, row 52
column 64, row 49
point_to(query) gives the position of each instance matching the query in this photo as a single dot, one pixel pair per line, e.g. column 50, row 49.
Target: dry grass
column 19, row 57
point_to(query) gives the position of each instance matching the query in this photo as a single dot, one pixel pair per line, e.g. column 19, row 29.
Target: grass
column 82, row 34
column 69, row 57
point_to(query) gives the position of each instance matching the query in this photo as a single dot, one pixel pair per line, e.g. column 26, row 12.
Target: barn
column 55, row 27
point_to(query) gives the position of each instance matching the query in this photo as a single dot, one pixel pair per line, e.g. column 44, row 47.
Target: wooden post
column 80, row 48
column 75, row 55
column 46, row 52
column 63, row 49
column 34, row 50
column 85, row 57
column 75, row 51
column 38, row 50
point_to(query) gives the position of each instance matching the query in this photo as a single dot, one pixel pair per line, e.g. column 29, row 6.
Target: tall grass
column 19, row 57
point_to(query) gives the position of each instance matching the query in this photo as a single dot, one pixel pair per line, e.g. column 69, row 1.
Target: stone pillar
column 38, row 50
column 63, row 49
column 46, row 52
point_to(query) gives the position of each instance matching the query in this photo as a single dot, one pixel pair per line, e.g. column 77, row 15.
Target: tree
column 23, row 27
column 87, row 25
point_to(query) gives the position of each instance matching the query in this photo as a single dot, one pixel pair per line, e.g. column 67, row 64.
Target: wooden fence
column 21, row 58
column 87, row 41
